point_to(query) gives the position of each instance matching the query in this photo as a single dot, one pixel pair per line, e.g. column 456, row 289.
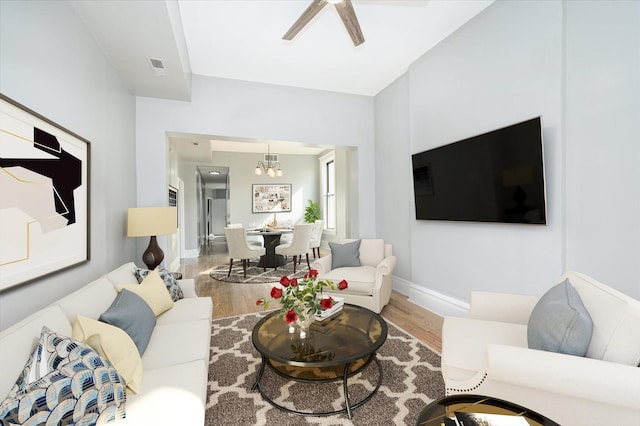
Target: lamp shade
column 149, row 221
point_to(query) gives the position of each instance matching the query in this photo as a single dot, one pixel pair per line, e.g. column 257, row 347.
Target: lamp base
column 153, row 255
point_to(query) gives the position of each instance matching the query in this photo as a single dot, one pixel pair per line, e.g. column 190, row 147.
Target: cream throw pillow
column 113, row 344
column 153, row 291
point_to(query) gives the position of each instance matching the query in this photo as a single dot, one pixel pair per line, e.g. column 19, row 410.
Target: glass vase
column 302, row 325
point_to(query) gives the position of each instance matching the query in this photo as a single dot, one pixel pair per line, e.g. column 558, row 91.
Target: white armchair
column 370, row 284
column 487, row 353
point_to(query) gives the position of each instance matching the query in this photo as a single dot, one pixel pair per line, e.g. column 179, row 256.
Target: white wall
column 603, row 141
column 242, row 109
column 394, row 215
column 501, row 68
column 301, row 171
column 51, row 64
column 577, row 65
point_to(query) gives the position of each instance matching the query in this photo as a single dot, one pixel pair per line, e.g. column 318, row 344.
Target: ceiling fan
column 345, row 10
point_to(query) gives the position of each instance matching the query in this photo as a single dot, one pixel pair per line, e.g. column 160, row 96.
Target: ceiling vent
column 271, row 158
column 157, row 66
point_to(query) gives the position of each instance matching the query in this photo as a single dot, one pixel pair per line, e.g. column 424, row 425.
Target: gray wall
column 51, row 64
column 577, row 65
column 240, row 109
column 301, row 171
column 603, row 141
column 395, row 190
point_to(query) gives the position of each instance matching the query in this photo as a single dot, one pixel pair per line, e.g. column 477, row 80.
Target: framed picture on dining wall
column 44, row 202
column 271, row 198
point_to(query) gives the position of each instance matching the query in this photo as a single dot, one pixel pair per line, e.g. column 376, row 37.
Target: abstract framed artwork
column 44, row 196
column 271, row 198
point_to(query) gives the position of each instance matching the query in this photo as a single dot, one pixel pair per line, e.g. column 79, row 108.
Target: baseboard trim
column 431, row 300
column 190, row 254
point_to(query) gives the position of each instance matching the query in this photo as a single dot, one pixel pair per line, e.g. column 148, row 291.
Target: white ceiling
column 242, row 39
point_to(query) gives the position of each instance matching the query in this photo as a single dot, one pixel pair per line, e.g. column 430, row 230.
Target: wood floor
column 236, row 299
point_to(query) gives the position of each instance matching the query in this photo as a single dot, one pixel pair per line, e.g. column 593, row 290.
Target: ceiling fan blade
column 313, row 9
column 348, row 16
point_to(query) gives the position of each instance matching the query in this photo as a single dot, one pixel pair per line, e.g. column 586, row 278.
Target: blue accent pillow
column 345, row 255
column 83, row 389
column 133, row 315
column 169, row 281
column 560, row 323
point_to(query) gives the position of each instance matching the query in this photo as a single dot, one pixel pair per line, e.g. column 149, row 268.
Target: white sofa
column 370, row 284
column 175, row 363
column 487, row 353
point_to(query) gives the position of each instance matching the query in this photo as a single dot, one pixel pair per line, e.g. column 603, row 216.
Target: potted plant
column 312, row 212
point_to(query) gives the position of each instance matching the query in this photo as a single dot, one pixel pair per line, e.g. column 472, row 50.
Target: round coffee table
column 349, row 341
column 443, row 411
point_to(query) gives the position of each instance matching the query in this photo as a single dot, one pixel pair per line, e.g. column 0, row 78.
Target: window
column 329, row 193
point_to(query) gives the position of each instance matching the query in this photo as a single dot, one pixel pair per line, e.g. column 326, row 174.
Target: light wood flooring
column 235, row 299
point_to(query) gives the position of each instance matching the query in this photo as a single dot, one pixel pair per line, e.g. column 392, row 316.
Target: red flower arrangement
column 302, row 300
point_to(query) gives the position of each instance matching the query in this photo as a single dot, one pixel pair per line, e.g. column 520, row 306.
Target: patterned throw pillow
column 82, row 389
column 153, row 291
column 169, row 281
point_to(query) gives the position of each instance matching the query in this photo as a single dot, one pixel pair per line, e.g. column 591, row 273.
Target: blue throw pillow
column 132, row 314
column 345, row 255
column 560, row 323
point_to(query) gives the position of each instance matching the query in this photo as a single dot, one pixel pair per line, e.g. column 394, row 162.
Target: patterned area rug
column 411, row 379
column 255, row 274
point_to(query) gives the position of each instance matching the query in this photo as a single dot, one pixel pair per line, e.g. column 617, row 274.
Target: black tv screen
column 497, row 176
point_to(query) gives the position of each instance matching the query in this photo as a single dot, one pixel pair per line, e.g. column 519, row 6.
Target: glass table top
column 352, row 334
column 482, row 409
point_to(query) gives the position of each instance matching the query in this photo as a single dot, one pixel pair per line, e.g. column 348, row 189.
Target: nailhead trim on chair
column 448, row 390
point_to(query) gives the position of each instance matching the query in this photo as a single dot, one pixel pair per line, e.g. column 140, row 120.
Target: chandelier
column 270, row 167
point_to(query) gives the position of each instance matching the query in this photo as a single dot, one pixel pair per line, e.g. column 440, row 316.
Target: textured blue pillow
column 345, row 255
column 133, row 315
column 169, row 281
column 560, row 323
column 82, row 389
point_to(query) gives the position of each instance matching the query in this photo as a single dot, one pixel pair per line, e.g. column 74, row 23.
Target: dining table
column 271, row 237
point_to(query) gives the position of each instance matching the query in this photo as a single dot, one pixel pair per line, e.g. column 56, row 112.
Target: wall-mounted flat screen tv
column 497, row 176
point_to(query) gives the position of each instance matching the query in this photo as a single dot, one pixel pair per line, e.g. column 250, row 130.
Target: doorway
column 215, row 200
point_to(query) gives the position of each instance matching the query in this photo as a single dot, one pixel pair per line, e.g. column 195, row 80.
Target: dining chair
column 316, row 237
column 299, row 244
column 253, row 240
column 239, row 248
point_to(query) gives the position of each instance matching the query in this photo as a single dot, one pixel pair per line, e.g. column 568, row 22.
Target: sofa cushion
column 153, row 291
column 82, row 389
column 178, row 343
column 133, row 315
column 90, row 300
column 124, row 274
column 169, row 281
column 345, row 255
column 371, row 251
column 188, row 309
column 113, row 344
column 360, row 279
column 181, row 392
column 559, row 322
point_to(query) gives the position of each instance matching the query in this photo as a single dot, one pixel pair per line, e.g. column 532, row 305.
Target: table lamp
column 150, row 222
